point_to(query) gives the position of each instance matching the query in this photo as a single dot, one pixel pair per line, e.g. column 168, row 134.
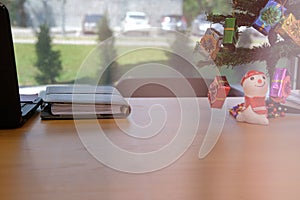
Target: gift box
column 280, row 85
column 284, row 26
column 236, row 110
column 291, row 27
column 218, row 91
column 211, row 42
column 269, row 16
column 287, row 22
column 294, row 32
column 230, row 36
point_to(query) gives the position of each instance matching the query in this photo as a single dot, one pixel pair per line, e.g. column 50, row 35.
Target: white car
column 174, row 23
column 136, row 21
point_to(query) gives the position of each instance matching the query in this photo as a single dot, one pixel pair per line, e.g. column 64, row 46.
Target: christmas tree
column 278, row 20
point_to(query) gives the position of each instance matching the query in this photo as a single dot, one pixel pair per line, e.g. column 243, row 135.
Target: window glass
column 91, row 41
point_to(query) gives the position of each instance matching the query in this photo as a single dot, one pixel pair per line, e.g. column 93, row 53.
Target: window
column 75, row 27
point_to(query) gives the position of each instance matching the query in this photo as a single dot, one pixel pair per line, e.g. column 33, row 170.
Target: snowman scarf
column 257, row 104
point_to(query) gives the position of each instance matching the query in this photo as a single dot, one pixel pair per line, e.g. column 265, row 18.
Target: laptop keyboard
column 26, row 108
column 29, row 106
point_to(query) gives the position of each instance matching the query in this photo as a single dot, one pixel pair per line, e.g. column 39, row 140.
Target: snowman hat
column 249, row 74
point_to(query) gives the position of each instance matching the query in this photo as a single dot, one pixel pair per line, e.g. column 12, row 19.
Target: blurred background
column 75, row 31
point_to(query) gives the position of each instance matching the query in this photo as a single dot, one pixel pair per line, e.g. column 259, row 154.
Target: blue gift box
column 261, row 24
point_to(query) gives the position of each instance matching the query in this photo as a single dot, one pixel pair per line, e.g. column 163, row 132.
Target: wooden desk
column 47, row 160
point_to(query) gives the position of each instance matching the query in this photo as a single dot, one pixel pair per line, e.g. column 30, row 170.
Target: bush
column 48, row 61
column 107, row 51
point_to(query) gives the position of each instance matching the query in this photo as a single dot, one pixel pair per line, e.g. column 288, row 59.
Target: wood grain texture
column 46, row 160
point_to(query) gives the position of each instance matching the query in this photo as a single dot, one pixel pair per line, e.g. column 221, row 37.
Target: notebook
column 84, row 101
column 13, row 111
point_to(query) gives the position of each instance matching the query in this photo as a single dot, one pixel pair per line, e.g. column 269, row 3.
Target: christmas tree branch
column 270, row 54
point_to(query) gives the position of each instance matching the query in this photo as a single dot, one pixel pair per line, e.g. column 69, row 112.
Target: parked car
column 200, row 24
column 173, row 23
column 136, row 21
column 90, row 23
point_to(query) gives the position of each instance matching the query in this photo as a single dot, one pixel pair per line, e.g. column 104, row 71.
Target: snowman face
column 256, row 86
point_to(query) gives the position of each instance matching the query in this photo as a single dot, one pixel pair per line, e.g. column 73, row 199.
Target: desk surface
column 48, row 160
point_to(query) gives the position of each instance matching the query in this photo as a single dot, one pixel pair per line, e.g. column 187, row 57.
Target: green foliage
column 191, row 9
column 10, row 4
column 6, row 2
column 21, row 15
column 215, row 6
column 26, row 58
column 246, row 12
column 271, row 15
column 48, row 61
column 104, row 30
column 16, row 8
column 180, row 58
column 107, row 51
column 265, row 52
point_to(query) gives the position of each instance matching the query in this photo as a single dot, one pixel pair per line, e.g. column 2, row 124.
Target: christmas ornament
column 291, row 27
column 280, row 85
column 230, row 37
column 218, row 91
column 275, row 109
column 211, row 42
column 269, row 16
column 236, row 110
column 255, row 87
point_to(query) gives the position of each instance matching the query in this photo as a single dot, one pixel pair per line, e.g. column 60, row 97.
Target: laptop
column 13, row 112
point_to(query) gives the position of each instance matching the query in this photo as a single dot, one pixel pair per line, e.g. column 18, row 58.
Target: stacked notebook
column 69, row 102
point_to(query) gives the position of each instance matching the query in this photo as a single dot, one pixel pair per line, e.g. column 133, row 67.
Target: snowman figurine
column 255, row 88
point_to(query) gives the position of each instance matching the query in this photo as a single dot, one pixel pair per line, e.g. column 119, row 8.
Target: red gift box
column 218, row 91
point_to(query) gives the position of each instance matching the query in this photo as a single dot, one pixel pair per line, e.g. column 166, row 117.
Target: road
column 27, row 36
